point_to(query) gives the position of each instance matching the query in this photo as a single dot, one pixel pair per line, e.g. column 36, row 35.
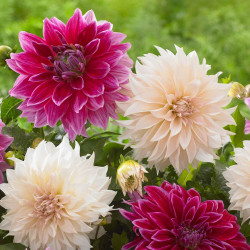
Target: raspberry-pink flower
column 169, row 217
column 5, row 141
column 75, row 73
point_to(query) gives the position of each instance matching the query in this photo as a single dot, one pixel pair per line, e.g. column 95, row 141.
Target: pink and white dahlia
column 238, row 180
column 5, row 141
column 176, row 110
column 169, row 217
column 55, row 198
column 74, row 74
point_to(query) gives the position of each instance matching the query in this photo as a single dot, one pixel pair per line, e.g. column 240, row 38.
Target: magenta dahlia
column 75, row 73
column 169, row 217
column 5, row 141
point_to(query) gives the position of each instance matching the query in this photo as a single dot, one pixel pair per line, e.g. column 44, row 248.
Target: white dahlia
column 54, row 198
column 238, row 180
column 176, row 110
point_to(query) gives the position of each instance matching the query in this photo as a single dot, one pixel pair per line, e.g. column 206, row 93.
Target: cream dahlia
column 238, row 179
column 175, row 110
column 54, row 198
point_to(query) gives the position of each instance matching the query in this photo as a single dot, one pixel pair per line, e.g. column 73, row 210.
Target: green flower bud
column 4, row 54
column 36, row 142
column 8, row 155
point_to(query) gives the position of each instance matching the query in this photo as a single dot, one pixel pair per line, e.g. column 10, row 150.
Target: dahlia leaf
column 9, row 109
column 118, row 240
column 12, row 246
column 186, row 176
column 24, row 124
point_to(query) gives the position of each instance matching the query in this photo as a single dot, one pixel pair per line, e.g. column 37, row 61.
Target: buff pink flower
column 5, row 141
column 247, row 122
column 176, row 111
column 75, row 73
column 169, row 217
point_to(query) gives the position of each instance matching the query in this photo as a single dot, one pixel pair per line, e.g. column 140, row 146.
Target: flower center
column 46, row 206
column 183, row 107
column 130, row 182
column 69, row 62
column 191, row 238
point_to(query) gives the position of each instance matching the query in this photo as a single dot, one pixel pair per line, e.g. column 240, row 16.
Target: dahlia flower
column 175, row 111
column 169, row 217
column 130, row 175
column 238, row 180
column 55, row 198
column 5, row 141
column 75, row 73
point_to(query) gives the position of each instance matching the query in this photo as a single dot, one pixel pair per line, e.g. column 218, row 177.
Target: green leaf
column 186, row 176
column 226, row 79
column 9, row 109
column 24, row 124
column 12, row 246
column 22, row 139
column 244, row 110
column 237, row 139
column 119, row 240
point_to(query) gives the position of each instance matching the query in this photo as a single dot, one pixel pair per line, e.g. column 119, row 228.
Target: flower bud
column 36, row 142
column 237, row 91
column 4, row 54
column 248, row 90
column 8, row 155
column 130, row 175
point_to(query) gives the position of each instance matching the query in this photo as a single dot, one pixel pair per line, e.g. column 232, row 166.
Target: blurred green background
column 218, row 30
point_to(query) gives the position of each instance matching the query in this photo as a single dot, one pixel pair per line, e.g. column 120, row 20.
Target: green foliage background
column 217, row 29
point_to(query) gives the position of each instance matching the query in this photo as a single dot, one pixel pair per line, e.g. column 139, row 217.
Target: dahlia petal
column 42, row 92
column 144, row 223
column 23, row 88
column 164, row 235
column 105, row 42
column 200, row 211
column 193, row 202
column 117, row 37
column 95, row 103
column 110, row 83
column 190, row 214
column 74, row 123
column 74, row 27
column 15, row 67
column 99, row 118
column 91, row 47
column 61, row 93
column 26, row 40
column 88, row 34
column 157, row 245
column 122, row 47
column 129, row 215
column 92, row 87
column 110, row 97
column 89, row 16
column 30, row 63
column 41, row 77
column 77, row 83
column 97, row 69
column 142, row 245
column 79, row 100
column 40, row 119
column 104, row 26
column 112, row 58
column 54, row 113
column 49, row 33
column 147, row 234
column 120, row 72
column 178, row 205
column 111, row 110
column 162, row 220
column 42, row 49
column 60, row 25
column 5, row 141
column 131, row 244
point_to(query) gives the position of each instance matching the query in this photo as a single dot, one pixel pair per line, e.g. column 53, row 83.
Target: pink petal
column 41, row 93
column 74, row 27
column 40, row 119
column 79, row 100
column 88, row 34
column 120, row 72
column 23, row 88
column 95, row 103
column 60, row 25
column 104, row 26
column 13, row 65
column 112, row 58
column 124, row 47
column 105, row 42
column 54, row 113
column 61, row 93
column 42, row 49
column 77, row 83
column 97, row 69
column 41, row 77
column 117, row 38
column 50, row 34
column 91, row 47
column 99, row 118
column 92, row 87
column 27, row 39
column 89, row 16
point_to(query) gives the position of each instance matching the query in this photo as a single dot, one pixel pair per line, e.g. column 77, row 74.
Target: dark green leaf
column 12, row 246
column 9, row 109
column 119, row 240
